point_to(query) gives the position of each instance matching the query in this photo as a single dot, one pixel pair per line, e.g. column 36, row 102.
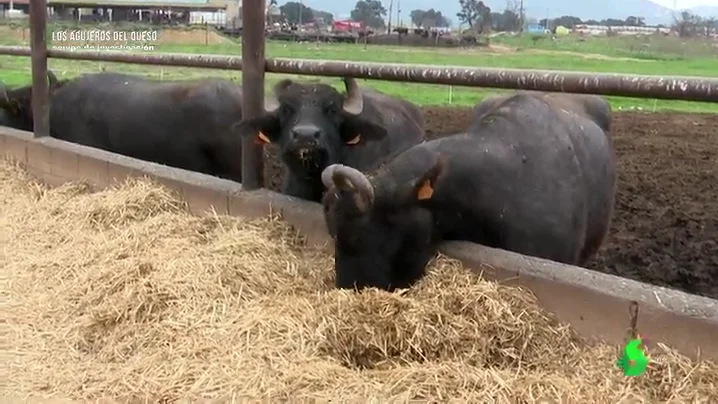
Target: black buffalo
column 596, row 108
column 16, row 104
column 184, row 124
column 530, row 176
column 4, row 118
column 315, row 126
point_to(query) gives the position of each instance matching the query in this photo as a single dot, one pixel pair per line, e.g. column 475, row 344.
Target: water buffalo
column 316, row 126
column 184, row 124
column 4, row 118
column 596, row 108
column 529, row 176
column 16, row 104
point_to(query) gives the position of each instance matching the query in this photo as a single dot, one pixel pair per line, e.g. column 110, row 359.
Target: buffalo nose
column 306, row 133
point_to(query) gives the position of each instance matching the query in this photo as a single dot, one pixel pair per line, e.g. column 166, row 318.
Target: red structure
column 347, row 25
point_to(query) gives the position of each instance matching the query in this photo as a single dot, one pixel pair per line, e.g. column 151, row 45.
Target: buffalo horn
column 353, row 103
column 343, row 177
column 51, row 78
column 271, row 104
column 327, row 179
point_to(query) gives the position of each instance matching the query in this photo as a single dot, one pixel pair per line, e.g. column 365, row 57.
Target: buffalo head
column 16, row 104
column 383, row 229
column 312, row 123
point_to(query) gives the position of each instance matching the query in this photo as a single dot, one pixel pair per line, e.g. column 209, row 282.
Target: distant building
column 620, row 30
column 19, row 6
column 535, row 29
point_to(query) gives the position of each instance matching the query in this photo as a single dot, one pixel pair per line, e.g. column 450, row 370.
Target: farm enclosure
column 456, row 116
column 133, row 295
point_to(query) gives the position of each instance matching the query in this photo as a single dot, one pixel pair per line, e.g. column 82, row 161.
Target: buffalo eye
column 331, row 109
column 285, row 110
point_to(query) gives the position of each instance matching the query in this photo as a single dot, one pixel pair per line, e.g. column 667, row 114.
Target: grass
column 599, row 55
column 633, row 46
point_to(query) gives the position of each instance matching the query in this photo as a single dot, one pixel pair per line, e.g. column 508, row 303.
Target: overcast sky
column 686, row 3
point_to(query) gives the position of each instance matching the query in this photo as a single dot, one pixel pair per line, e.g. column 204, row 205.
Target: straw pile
column 123, row 294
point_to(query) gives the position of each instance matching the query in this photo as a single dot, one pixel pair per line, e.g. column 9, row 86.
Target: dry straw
column 122, row 293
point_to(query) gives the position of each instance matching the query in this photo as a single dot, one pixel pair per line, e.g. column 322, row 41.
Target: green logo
column 634, row 361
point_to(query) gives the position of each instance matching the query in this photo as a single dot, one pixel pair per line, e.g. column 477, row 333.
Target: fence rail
column 660, row 87
column 676, row 88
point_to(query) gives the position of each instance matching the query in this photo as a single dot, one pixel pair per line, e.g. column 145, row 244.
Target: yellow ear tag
column 356, row 140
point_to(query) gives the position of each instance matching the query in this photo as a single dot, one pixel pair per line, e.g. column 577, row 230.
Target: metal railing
column 253, row 65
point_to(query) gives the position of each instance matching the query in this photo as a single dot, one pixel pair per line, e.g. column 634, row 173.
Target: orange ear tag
column 261, row 139
column 425, row 191
column 356, row 140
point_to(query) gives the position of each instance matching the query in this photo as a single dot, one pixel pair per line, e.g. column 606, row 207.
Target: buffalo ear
column 424, row 188
column 359, row 130
column 282, row 85
column 13, row 107
column 265, row 129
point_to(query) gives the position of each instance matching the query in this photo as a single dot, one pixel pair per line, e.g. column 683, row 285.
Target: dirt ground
column 665, row 227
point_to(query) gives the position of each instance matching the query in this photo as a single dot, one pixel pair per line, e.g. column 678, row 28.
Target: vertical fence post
column 252, row 88
column 38, row 49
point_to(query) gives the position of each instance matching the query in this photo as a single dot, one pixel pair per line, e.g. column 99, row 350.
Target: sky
column 681, row 4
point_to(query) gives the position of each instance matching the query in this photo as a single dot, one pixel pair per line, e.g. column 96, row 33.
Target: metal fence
column 253, row 65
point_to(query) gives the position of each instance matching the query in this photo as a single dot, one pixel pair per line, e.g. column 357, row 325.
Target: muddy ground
column 665, row 226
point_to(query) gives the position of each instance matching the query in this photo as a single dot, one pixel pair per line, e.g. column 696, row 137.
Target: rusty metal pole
column 252, row 88
column 703, row 89
column 38, row 50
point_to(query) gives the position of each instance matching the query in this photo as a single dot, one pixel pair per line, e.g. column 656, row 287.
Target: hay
column 122, row 293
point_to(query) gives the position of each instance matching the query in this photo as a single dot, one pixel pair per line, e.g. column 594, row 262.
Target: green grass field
column 592, row 55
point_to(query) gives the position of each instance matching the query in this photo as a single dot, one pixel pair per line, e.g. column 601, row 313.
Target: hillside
column 652, row 12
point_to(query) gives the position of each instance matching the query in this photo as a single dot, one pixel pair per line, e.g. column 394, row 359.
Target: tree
column 711, row 25
column 417, row 17
column 567, row 21
column 613, row 22
column 688, row 24
column 514, row 16
column 475, row 13
column 428, row 18
column 635, row 21
column 296, row 13
column 326, row 17
column 509, row 20
column 370, row 12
